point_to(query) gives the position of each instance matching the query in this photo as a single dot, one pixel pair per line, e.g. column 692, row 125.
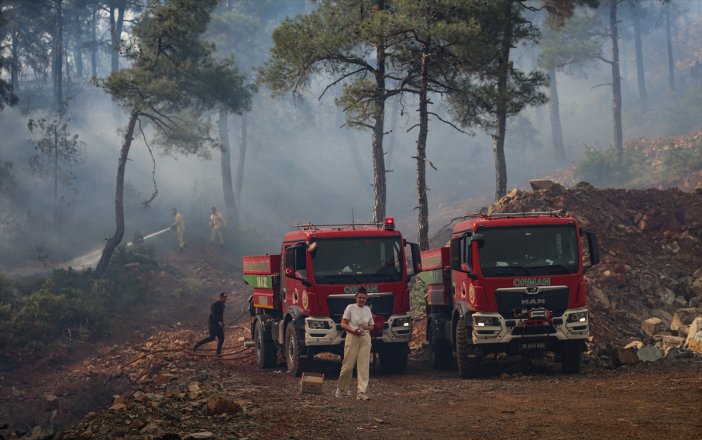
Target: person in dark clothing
column 215, row 324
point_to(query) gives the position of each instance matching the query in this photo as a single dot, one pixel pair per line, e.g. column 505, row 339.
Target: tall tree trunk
column 56, row 165
column 616, row 83
column 501, row 110
column 640, row 77
column 115, row 240
column 555, row 115
column 14, row 65
column 78, row 53
column 243, row 145
column 94, row 43
column 669, row 46
column 226, row 165
column 393, row 136
column 58, row 58
column 116, row 25
column 379, row 177
column 423, row 215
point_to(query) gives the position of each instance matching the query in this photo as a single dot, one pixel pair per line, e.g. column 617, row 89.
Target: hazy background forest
column 293, row 159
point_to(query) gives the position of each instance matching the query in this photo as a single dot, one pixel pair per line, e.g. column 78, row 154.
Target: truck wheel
column 466, row 357
column 571, row 357
column 263, row 344
column 440, row 349
column 393, row 358
column 292, row 350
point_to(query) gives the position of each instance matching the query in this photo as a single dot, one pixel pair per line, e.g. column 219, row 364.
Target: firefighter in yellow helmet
column 217, row 225
column 179, row 227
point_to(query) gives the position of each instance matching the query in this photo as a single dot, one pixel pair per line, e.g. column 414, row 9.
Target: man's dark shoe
column 195, row 347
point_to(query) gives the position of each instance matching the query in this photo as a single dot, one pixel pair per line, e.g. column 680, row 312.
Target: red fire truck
column 299, row 296
column 508, row 282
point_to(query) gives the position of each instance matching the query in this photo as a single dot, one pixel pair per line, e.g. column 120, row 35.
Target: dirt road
column 165, row 394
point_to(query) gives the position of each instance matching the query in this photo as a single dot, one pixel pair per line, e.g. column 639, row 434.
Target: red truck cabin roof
column 473, row 224
column 307, row 235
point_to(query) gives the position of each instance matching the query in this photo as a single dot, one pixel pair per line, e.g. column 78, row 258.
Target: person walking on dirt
column 217, row 225
column 357, row 320
column 215, row 323
column 179, row 227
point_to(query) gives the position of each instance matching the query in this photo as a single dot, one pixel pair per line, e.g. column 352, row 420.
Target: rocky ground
column 160, row 390
column 145, row 383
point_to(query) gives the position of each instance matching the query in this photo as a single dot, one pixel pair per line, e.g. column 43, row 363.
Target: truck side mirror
column 455, row 252
column 416, row 259
column 592, row 248
column 291, row 273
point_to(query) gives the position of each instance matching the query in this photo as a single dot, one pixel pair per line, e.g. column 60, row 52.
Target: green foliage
column 639, row 169
column 56, row 151
column 418, row 297
column 175, row 79
column 71, row 305
column 602, row 167
column 682, row 161
column 573, row 43
column 487, row 84
column 122, row 286
column 50, row 313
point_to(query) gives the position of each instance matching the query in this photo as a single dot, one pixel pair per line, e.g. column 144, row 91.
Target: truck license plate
column 532, row 345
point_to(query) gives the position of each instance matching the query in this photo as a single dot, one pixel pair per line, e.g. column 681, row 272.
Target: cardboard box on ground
column 311, row 383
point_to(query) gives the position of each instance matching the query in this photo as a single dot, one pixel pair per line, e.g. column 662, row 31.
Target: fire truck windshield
column 529, row 250
column 357, row 260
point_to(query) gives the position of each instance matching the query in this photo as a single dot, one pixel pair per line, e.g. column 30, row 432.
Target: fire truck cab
column 299, row 295
column 509, row 282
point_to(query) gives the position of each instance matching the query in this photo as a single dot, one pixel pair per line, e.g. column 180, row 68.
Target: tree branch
column 337, row 81
column 448, row 122
column 147, row 203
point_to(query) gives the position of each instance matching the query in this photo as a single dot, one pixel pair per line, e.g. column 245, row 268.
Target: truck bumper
column 397, row 329
column 321, row 331
column 492, row 328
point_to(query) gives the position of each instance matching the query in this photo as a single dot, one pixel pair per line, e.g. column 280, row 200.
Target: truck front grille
column 380, row 304
column 512, row 302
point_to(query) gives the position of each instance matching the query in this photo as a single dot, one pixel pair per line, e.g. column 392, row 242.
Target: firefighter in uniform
column 217, row 225
column 179, row 227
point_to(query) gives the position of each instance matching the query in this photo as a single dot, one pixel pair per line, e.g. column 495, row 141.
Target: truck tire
column 393, row 358
column 264, row 346
column 440, row 350
column 571, row 357
column 466, row 357
column 293, row 355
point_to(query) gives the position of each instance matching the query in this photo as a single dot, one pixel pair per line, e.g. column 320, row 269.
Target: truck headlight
column 483, row 321
column 577, row 317
column 402, row 322
column 317, row 325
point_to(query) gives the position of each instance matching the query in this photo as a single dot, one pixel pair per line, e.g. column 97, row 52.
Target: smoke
column 301, row 165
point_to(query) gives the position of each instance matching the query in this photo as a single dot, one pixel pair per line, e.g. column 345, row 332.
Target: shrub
column 418, row 295
column 601, row 168
column 681, row 160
